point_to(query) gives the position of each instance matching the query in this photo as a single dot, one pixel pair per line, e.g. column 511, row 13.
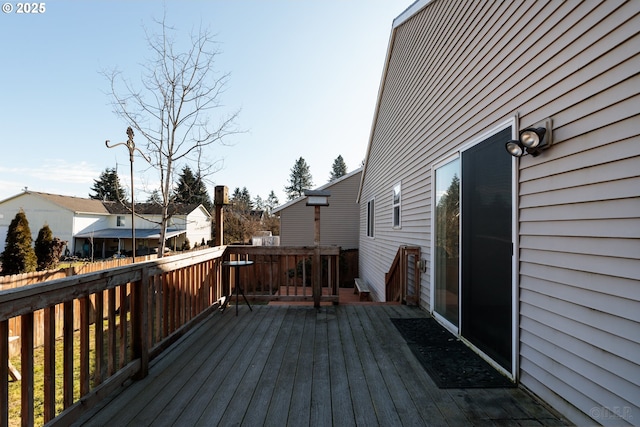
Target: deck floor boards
column 294, row 365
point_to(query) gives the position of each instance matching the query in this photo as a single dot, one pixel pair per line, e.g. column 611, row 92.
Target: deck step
column 362, row 288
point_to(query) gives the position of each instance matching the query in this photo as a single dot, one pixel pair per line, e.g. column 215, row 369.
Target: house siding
column 456, row 69
column 198, row 226
column 39, row 212
column 71, row 216
column 338, row 221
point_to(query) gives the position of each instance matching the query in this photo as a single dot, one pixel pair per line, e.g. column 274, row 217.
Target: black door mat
column 447, row 360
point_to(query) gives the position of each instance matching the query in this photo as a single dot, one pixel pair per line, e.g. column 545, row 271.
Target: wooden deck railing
column 284, row 273
column 130, row 314
column 402, row 282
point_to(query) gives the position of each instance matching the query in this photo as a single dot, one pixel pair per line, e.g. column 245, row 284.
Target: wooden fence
column 25, row 279
column 285, row 273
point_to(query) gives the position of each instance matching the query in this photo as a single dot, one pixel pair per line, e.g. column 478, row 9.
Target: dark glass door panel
column 486, row 290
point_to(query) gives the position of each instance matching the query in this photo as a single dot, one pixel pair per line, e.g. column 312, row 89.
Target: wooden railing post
column 4, row 373
column 139, row 328
column 49, row 363
column 67, row 354
column 397, row 278
column 317, row 264
column 26, row 362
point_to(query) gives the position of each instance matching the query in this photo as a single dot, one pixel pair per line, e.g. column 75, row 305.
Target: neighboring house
column 339, row 222
column 534, row 261
column 107, row 224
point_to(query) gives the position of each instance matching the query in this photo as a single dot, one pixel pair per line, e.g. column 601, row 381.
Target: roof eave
column 322, row 187
column 399, row 20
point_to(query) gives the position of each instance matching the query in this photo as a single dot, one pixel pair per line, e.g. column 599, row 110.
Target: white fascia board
column 414, row 8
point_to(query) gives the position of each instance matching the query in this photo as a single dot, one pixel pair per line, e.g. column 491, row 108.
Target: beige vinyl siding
column 580, row 274
column 456, row 69
column 338, row 221
column 296, row 225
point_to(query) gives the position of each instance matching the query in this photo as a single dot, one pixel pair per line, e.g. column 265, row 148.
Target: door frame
column 452, row 155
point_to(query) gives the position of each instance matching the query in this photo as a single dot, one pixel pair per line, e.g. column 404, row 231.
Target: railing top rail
column 26, row 299
column 282, row 250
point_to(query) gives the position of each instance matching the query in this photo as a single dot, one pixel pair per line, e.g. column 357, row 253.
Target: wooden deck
column 295, row 365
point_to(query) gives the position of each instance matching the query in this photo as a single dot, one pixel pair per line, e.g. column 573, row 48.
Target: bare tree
column 172, row 109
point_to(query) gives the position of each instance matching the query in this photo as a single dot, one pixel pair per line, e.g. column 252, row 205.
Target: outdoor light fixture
column 532, row 140
column 317, row 197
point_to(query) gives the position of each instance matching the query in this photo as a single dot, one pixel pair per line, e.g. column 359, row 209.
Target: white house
column 339, row 222
column 107, row 225
column 534, row 261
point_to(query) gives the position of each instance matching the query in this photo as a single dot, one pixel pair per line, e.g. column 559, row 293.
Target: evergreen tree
column 299, row 180
column 107, row 187
column 18, row 256
column 241, row 200
column 271, row 222
column 48, row 249
column 338, row 169
column 42, row 246
column 155, row 198
column 448, row 219
column 272, row 202
column 239, row 224
column 191, row 189
column 258, row 203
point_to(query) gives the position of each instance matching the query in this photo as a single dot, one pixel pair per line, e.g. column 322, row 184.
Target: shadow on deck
column 296, row 365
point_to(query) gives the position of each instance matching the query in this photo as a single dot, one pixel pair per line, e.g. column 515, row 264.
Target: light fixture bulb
column 515, row 148
column 532, row 137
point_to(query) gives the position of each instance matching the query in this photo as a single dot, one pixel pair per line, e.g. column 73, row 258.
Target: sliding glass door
column 472, row 245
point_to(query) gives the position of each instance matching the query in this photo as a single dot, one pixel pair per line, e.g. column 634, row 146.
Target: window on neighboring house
column 396, row 206
column 120, row 221
column 370, row 217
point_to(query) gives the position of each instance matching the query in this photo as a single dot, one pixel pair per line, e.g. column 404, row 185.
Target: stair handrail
column 396, row 279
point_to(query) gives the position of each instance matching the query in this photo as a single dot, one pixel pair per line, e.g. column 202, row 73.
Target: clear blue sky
column 305, row 75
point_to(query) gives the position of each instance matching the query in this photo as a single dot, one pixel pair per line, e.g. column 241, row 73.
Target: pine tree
column 48, row 249
column 107, row 187
column 42, row 247
column 239, row 224
column 272, row 202
column 271, row 222
column 155, row 198
column 18, row 256
column 258, row 202
column 191, row 189
column 241, row 200
column 338, row 169
column 448, row 214
column 299, row 180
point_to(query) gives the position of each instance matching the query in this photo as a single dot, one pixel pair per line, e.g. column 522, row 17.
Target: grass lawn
column 38, row 381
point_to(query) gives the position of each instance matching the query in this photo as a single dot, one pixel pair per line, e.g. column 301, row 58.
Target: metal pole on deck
column 132, row 148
